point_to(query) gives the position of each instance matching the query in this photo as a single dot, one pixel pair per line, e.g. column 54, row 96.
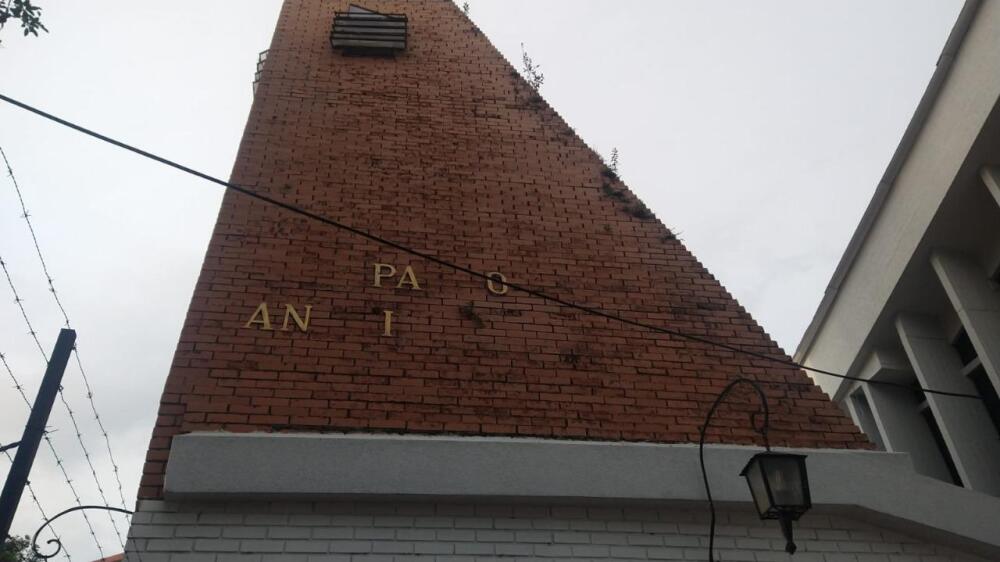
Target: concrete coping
column 881, row 488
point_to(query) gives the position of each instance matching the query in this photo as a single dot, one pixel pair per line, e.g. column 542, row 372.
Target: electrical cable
column 433, row 259
column 76, row 352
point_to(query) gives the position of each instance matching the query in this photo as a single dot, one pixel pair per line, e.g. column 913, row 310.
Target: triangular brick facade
column 445, row 149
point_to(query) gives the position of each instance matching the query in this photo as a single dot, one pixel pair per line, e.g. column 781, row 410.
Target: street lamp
column 778, row 481
column 780, row 489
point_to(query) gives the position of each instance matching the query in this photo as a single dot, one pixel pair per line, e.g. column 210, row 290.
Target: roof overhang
column 885, row 185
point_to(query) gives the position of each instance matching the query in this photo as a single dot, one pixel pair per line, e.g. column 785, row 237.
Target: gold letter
column 379, row 276
column 387, row 329
column 408, row 278
column 294, row 314
column 503, row 283
column 265, row 317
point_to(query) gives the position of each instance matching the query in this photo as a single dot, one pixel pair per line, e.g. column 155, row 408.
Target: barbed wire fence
column 89, row 392
column 31, row 490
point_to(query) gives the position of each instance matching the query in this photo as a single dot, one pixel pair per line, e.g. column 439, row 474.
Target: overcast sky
column 757, row 130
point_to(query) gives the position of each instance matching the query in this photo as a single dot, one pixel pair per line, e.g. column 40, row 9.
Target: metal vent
column 364, row 32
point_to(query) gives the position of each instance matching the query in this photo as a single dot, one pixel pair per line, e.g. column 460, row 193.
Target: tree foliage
column 29, row 14
column 18, row 549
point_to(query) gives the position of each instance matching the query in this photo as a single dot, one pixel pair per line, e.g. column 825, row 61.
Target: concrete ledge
column 881, row 487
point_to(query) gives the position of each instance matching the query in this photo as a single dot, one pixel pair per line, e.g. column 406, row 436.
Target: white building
column 915, row 299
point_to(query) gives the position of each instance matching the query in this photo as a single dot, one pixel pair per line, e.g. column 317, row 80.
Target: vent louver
column 363, row 32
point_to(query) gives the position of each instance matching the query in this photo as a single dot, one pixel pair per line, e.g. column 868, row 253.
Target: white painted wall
column 469, row 532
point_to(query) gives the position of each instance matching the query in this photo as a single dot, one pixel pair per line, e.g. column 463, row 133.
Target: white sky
column 756, row 130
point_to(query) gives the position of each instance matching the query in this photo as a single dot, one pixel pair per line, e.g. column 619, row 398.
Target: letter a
column 408, row 278
column 294, row 314
column 260, row 316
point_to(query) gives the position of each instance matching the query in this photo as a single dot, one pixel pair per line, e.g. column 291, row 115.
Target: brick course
column 435, row 532
column 445, row 149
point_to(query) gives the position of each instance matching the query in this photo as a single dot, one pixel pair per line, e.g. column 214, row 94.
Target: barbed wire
column 31, row 490
column 79, row 363
column 90, row 463
column 100, row 425
column 48, row 440
column 31, row 229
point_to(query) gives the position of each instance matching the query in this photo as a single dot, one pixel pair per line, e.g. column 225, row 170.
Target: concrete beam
column 904, row 431
column 874, row 486
column 977, row 304
column 991, row 177
column 964, row 423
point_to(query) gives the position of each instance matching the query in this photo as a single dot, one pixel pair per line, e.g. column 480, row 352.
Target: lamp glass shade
column 758, row 488
column 779, row 485
column 786, row 478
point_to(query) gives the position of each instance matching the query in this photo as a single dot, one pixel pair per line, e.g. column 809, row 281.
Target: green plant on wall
column 532, row 72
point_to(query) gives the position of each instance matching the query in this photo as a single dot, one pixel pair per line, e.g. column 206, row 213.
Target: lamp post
column 778, row 482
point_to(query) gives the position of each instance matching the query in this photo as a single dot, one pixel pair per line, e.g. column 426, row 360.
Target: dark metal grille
column 360, row 31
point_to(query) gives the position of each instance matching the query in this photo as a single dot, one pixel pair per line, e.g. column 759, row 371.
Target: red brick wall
column 444, row 149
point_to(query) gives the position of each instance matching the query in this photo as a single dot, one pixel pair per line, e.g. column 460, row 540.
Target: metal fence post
column 34, row 430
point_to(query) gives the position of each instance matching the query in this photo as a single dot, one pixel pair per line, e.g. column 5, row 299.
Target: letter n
column 290, row 312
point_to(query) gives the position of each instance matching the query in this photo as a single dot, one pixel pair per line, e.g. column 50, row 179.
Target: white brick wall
column 395, row 532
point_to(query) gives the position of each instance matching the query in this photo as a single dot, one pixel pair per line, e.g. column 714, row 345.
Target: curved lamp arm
column 762, row 429
column 34, row 539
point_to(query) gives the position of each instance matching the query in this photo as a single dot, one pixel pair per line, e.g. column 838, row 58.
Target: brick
column 262, row 546
column 306, row 546
column 151, row 531
column 216, row 545
column 193, row 557
column 198, row 531
column 359, row 547
column 170, row 545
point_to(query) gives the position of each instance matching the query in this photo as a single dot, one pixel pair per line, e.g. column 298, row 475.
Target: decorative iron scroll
column 34, row 539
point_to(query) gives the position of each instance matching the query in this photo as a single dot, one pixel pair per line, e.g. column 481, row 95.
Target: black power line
column 444, row 263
